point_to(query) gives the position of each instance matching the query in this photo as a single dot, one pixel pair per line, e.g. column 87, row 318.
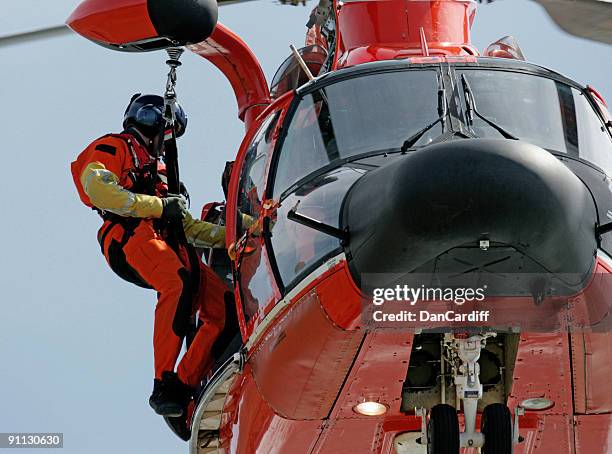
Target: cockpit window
column 252, row 180
column 290, row 74
column 364, row 114
column 298, row 248
column 256, row 287
column 540, row 111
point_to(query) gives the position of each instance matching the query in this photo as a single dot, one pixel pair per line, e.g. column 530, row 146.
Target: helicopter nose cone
column 492, row 205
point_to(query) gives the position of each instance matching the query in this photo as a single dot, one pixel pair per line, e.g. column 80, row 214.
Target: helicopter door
column 255, row 278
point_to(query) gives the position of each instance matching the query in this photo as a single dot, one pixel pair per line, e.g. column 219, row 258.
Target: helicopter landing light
column 370, row 408
column 537, row 404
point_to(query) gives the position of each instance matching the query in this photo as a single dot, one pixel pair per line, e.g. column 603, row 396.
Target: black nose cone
column 428, row 212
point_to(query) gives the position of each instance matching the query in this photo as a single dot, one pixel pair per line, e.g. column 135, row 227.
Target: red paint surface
column 387, row 30
column 340, row 297
column 593, row 434
column 228, row 52
column 301, row 363
column 378, row 374
column 249, row 425
column 592, row 359
column 116, row 22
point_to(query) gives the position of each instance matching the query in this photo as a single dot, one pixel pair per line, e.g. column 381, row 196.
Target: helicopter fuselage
column 332, row 153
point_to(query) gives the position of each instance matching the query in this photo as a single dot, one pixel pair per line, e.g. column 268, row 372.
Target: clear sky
column 75, row 341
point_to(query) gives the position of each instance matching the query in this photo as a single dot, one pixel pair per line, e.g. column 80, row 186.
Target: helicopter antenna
column 301, row 61
column 424, row 46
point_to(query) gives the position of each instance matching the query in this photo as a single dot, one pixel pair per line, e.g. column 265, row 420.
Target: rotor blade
column 61, row 30
column 34, row 35
column 590, row 19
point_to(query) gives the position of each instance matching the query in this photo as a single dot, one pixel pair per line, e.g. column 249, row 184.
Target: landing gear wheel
column 497, row 429
column 443, row 430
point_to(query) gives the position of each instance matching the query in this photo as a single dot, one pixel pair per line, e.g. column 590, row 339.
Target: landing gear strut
column 463, row 352
column 497, row 435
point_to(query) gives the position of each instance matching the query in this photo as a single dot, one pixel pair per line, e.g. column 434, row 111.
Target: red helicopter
column 389, row 156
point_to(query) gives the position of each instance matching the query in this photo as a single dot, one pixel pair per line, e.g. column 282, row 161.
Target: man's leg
column 211, row 303
column 151, row 257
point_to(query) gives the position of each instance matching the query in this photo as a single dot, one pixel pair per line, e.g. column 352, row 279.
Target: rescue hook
column 174, row 54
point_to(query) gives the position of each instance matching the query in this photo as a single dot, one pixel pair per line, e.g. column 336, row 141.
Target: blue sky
column 75, row 341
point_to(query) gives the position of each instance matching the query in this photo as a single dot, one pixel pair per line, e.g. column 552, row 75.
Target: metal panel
column 553, row 434
column 543, row 370
column 302, row 361
column 378, row 374
column 594, row 434
column 591, row 359
column 250, row 426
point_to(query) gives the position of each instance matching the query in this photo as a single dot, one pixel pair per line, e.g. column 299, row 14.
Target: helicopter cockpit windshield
column 375, row 112
column 541, row 111
column 339, row 129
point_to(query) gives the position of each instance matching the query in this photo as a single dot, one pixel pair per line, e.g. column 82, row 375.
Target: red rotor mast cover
column 390, row 29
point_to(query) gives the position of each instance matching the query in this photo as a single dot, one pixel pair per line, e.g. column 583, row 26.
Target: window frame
column 273, row 121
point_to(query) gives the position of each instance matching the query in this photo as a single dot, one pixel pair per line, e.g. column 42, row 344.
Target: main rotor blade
column 34, row 35
column 590, row 19
column 61, row 30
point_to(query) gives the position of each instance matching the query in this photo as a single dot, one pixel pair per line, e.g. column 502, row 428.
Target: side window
column 254, row 276
column 297, row 248
column 594, row 140
column 252, row 179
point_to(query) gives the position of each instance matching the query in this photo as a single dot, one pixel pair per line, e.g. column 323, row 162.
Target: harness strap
column 128, row 224
column 144, row 177
column 105, row 232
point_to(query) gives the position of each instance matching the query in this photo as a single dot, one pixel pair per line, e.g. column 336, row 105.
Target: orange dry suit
column 117, row 176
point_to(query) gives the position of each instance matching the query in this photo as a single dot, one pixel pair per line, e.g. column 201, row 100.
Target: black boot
column 170, row 396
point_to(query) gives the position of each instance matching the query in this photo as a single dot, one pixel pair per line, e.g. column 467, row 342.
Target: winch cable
column 168, row 143
column 175, row 232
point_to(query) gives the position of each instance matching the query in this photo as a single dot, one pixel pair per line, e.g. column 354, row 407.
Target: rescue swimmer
column 122, row 177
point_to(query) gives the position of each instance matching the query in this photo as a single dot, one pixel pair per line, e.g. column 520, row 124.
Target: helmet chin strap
column 140, row 136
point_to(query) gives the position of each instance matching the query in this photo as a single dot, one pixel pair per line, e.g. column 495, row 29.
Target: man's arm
column 203, row 234
column 104, row 191
column 100, row 181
